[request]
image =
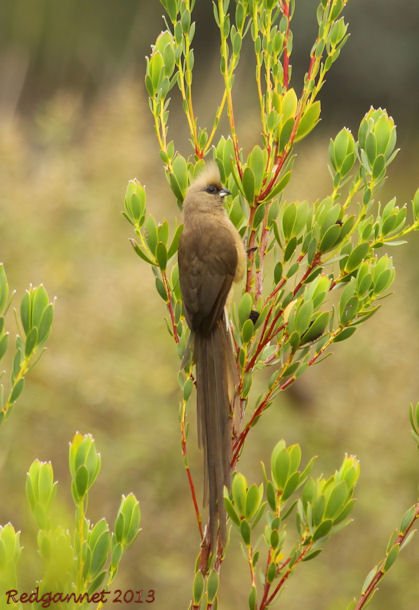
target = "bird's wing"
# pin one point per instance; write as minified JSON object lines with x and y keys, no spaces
{"x":207,"y":265}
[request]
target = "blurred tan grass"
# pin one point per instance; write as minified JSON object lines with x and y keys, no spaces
{"x":111,"y":368}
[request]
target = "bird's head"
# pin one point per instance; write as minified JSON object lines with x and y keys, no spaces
{"x":206,"y":193}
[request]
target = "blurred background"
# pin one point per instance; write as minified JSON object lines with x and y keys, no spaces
{"x":74,"y":127}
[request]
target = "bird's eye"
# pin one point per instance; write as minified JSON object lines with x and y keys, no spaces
{"x":211,"y":189}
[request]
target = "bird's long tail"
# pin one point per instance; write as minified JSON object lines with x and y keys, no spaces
{"x":216,"y":380}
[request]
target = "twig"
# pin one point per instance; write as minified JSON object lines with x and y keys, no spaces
{"x":285,"y":8}
{"x":285,"y":577}
{"x":380,"y":572}
{"x":187,"y":468}
{"x":170,"y":306}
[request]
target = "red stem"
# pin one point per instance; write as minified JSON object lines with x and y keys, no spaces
{"x":286,"y":12}
{"x":285,"y":577}
{"x":250,"y":250}
{"x":170,"y":306}
{"x":380,"y":573}
{"x":190,"y":480}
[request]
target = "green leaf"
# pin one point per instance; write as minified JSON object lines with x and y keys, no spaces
{"x":285,"y":133}
{"x":31,"y":341}
{"x":330,"y":238}
{"x":3,"y":346}
{"x":245,"y":531}
{"x":291,"y":485}
{"x":290,"y":249}
{"x":280,"y":468}
{"x":379,"y":167}
{"x":257,"y":163}
{"x":317,"y":328}
{"x":248,"y":183}
{"x":231,"y":512}
{"x":323,"y":530}
{"x":161,"y":289}
{"x":337,"y":499}
{"x":383,"y":281}
{"x":4,"y":290}
{"x":244,"y":308}
{"x":212,"y":585}
{"x":259,"y":215}
{"x":141,"y":252}
{"x":318,"y":509}
{"x":312,"y":555}
{"x":356,"y":257}
{"x":198,"y":587}
{"x":415,"y":209}
{"x":350,"y":310}
{"x":45,"y":324}
{"x":288,"y":220}
{"x":82,"y":480}
{"x":271,"y":572}
{"x":161,"y":255}
{"x":303,"y":317}
{"x":278,"y":272}
{"x":253,"y":500}
{"x":17,"y":390}
{"x":179,"y":179}
{"x":410,"y":513}
{"x":100,"y":552}
{"x":248,"y":329}
{"x":270,"y":495}
{"x":252,"y":599}
{"x":150,"y":232}
{"x":368,"y":580}
{"x":175,"y":242}
{"x":279,"y":186}
{"x":97,"y":582}
{"x":238,"y":490}
{"x":289,"y":105}
{"x":308,"y":121}
{"x":40,"y":302}
{"x":25,"y":312}
{"x":344,"y":334}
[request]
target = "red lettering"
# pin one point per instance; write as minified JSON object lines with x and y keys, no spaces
{"x":12,"y":594}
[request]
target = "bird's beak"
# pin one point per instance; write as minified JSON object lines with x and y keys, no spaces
{"x":224,"y":192}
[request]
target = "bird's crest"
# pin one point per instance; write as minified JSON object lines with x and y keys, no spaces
{"x":209,"y":175}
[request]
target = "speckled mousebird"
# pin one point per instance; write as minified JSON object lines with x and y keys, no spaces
{"x":211,"y":257}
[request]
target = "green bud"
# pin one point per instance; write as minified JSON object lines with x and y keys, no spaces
{"x":127,"y":522}
{"x":10,"y":551}
{"x":40,"y":490}
{"x":135,"y":202}
{"x":84,"y":462}
{"x":342,"y":152}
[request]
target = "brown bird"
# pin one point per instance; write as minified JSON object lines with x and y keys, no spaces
{"x":211,"y":256}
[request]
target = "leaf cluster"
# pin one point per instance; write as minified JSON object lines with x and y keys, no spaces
{"x":81,"y":558}
{"x":36,"y":317}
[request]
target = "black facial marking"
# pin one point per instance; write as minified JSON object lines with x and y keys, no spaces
{"x":212,"y":189}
